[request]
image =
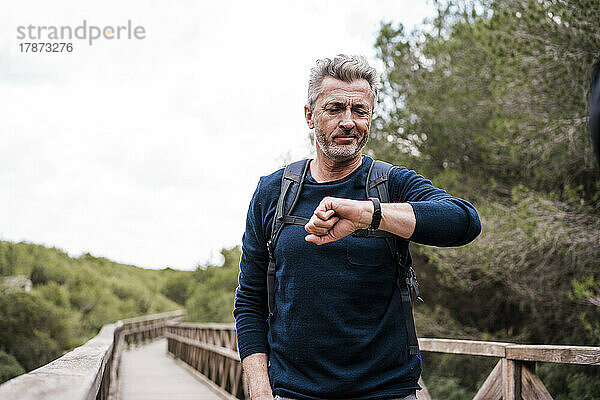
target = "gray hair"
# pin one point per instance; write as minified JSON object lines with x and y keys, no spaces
{"x":345,"y":68}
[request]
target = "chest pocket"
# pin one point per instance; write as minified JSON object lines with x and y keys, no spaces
{"x":367,"y":251}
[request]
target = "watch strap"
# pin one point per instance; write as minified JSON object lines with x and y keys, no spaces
{"x":376,"y":213}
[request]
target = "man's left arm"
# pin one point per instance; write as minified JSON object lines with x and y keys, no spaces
{"x":425,"y":214}
{"x":441,"y":219}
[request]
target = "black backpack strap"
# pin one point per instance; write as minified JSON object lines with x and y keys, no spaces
{"x":405,"y":295}
{"x":376,"y":186}
{"x":291,"y":185}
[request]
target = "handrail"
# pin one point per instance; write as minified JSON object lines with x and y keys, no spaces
{"x":86,"y":373}
{"x":514,"y":376}
{"x":222,"y":351}
{"x":223,"y":335}
{"x":555,"y":354}
{"x":211,"y":349}
{"x":467,"y":347}
{"x":583,"y":355}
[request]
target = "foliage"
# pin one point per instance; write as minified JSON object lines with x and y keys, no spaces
{"x":31,"y":329}
{"x":489,"y":101}
{"x":71,"y":299}
{"x":587,"y":291}
{"x":522,"y":294}
{"x":500,"y":95}
{"x":455,"y":377}
{"x":212,"y":297}
{"x":566,"y":382}
{"x":177,"y":288}
{"x":9,"y":367}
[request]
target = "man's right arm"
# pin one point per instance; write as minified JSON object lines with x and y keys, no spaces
{"x":251,"y":308}
{"x":257,"y":374}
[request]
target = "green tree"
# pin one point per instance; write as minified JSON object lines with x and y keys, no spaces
{"x":496,"y":91}
{"x":489,"y":101}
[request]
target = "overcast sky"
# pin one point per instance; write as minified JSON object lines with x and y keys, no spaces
{"x":147,"y":151}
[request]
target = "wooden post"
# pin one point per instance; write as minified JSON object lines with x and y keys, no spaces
{"x":511,"y":379}
{"x":532,"y":387}
{"x":492,"y":388}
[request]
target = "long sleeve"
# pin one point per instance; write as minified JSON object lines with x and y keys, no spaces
{"x":250,"y":310}
{"x":441,"y":219}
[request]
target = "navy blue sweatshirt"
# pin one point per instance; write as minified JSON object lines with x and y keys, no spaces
{"x":338,"y":328}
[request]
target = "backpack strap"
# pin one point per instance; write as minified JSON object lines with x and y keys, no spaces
{"x":291,"y":185}
{"x":376,"y":186}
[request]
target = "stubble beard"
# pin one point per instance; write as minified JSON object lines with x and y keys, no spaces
{"x":338,"y":152}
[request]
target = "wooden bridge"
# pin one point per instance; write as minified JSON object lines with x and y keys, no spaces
{"x":160,"y":357}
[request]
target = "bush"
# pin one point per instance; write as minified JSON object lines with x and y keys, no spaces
{"x":39,"y":275}
{"x":212,"y":297}
{"x":177,"y":288}
{"x":28,"y":328}
{"x":210,"y":306}
{"x":520,"y":271}
{"x":450,"y":376}
{"x":9,"y":367}
{"x":446,"y":388}
{"x":565,"y":382}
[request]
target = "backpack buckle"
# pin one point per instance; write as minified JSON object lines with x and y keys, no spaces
{"x":270,"y":249}
{"x":412,"y":283}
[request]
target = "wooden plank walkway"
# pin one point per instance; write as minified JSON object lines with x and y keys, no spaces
{"x":148,"y":373}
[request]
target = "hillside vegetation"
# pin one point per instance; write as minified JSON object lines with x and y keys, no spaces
{"x":69,"y":301}
{"x":72,"y":298}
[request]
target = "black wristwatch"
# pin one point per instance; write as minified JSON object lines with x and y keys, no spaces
{"x":376,"y":213}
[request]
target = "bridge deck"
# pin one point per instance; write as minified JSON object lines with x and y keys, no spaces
{"x":148,"y":373}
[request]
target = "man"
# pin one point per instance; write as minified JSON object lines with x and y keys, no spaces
{"x":338,"y":328}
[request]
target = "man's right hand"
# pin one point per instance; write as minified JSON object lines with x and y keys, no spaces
{"x":335,"y":218}
{"x":257,"y":373}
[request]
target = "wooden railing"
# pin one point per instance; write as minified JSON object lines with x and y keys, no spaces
{"x":513,"y":377}
{"x":211,"y":349}
{"x":89,"y":371}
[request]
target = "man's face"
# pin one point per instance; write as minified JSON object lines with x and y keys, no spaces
{"x":341,"y":118}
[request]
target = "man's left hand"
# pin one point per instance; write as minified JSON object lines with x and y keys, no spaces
{"x":335,"y":218}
